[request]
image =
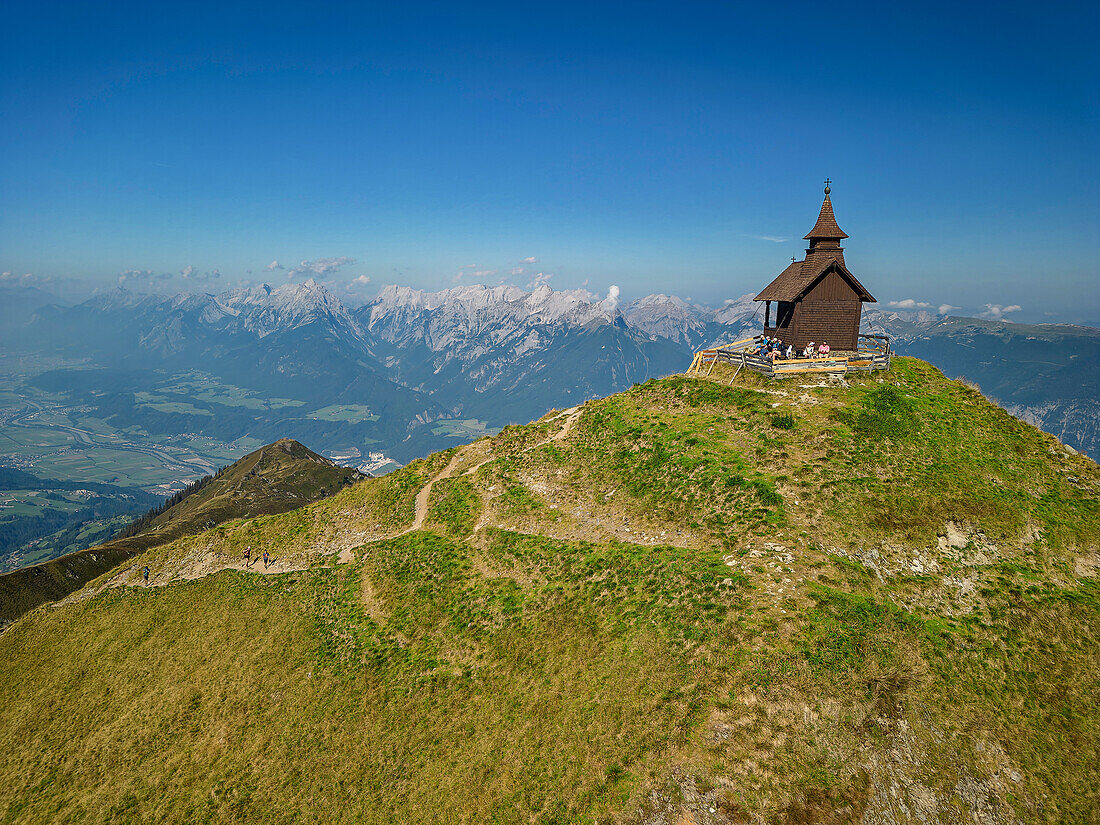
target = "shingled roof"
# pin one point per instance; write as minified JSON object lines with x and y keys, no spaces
{"x":789,"y":282}
{"x":826,"y":228}
{"x":797,"y":278}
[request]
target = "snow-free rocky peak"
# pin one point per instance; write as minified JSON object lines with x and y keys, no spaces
{"x":667,"y":316}
{"x":737,"y":311}
{"x":497,"y":311}
{"x":122,"y":299}
{"x":267,"y":309}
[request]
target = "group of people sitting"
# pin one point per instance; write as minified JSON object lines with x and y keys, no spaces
{"x":776,"y":350}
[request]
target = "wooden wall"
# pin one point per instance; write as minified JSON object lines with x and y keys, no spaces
{"x":829,"y":312}
{"x":834,"y":321}
{"x":833,"y":287}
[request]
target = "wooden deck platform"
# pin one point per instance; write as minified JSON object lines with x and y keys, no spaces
{"x":874,"y":353}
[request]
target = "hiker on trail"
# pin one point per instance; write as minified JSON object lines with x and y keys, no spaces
{"x":825,"y":348}
{"x":248,"y":556}
{"x":265,"y":558}
{"x":145,"y":574}
{"x":810,"y":351}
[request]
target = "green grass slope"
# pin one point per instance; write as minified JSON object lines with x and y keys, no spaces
{"x":686,"y":603}
{"x":273,"y":479}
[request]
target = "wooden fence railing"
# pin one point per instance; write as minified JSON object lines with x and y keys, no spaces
{"x":873,"y":353}
{"x":873,"y":344}
{"x":724,"y":352}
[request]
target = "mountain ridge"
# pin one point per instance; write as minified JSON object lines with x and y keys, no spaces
{"x":711,"y":600}
{"x":272,"y":479}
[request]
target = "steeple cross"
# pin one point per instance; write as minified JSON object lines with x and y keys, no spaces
{"x":827,"y":181}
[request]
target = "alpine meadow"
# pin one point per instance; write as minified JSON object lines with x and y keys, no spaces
{"x":697,"y":600}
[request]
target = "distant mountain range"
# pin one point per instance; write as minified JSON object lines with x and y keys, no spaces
{"x":506,"y":355}
{"x":414,"y":362}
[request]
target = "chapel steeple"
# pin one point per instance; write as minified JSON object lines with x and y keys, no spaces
{"x":825,"y":233}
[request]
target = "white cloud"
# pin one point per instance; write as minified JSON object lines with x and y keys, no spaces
{"x":320,"y":268}
{"x":271,"y":267}
{"x":997,"y":312}
{"x":909,"y":303}
{"x":611,"y":302}
{"x":188,"y":273}
{"x":772,"y":238}
{"x":530,"y":260}
{"x":26,"y":279}
{"x":140,"y":276}
{"x":517,"y":270}
{"x":540,"y":279}
{"x":943,"y":309}
{"x":362,"y":280}
{"x":58,"y":285}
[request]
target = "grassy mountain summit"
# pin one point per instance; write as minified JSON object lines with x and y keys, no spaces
{"x":272,"y":479}
{"x":689,"y":602}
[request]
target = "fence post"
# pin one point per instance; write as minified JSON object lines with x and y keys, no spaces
{"x":738,"y":372}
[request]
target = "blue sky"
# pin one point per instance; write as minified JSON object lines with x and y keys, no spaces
{"x":672,"y":147}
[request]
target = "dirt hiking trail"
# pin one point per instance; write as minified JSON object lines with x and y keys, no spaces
{"x":206,"y":565}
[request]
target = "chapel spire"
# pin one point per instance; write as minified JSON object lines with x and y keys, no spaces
{"x":826,"y":228}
